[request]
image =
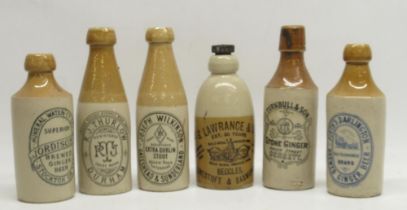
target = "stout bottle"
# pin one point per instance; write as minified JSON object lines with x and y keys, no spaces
{"x":43,"y":135}
{"x":162,"y":118}
{"x":103,"y":121}
{"x":356,"y":126}
{"x":224,"y":125}
{"x":290,"y":118}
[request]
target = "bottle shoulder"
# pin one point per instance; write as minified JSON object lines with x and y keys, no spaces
{"x":44,"y":89}
{"x":225,"y":95}
{"x":292,"y":77}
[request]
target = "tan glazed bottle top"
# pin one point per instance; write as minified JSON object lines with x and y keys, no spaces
{"x":40,"y":81}
{"x":102,"y":82}
{"x":101,"y":36}
{"x":161,"y":83}
{"x":356,"y":79}
{"x":39,"y":62}
{"x":160,"y":35}
{"x":291,"y":71}
{"x":292,"y":38}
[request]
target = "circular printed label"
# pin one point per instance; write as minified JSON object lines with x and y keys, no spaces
{"x":161,"y":147}
{"x":51,"y":146}
{"x":105,"y":151}
{"x":350,"y":149}
{"x":286,"y":137}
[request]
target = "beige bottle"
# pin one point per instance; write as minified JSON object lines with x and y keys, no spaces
{"x":162,"y":118}
{"x":103,"y":127}
{"x":224,"y":125}
{"x":290,"y":118}
{"x":43,"y":135}
{"x":356,"y":129}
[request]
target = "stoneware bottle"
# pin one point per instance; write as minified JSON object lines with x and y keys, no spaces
{"x":162,"y":118}
{"x":290,"y":118}
{"x":103,"y":127}
{"x":224,"y":125}
{"x":43,"y":135}
{"x":356,"y":129}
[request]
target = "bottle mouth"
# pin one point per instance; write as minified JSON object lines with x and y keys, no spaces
{"x":101,"y":36}
{"x":160,"y":35}
{"x":39,"y":62}
{"x":292,"y":38}
{"x":357,"y":53}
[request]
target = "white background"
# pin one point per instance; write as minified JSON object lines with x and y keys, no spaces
{"x":253,"y":26}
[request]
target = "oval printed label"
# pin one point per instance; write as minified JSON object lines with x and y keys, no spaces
{"x":286,"y":133}
{"x":51,"y":146}
{"x":161,"y":147}
{"x":350,"y":149}
{"x":105,"y":150}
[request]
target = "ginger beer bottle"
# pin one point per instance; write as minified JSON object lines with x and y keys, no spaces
{"x":290,"y":118}
{"x":43,"y":135}
{"x":103,"y":121}
{"x":356,"y":129}
{"x":162,"y":118}
{"x":224,"y":125}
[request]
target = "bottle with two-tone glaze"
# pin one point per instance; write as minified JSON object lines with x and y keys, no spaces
{"x":162,"y":118}
{"x":290,"y":118}
{"x":103,"y":121}
{"x":224,"y":125}
{"x":356,"y":129}
{"x":43,"y":135}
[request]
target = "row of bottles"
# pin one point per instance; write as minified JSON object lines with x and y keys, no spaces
{"x":43,"y":131}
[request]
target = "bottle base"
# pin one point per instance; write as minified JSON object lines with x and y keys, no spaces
{"x":165,"y":190}
{"x":303,"y":188}
{"x":355,"y":195}
{"x":225,"y":188}
{"x":45,"y":201}
{"x":105,"y":193}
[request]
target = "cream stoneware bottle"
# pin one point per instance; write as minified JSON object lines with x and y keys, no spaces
{"x":224,"y":125}
{"x":162,"y":118}
{"x":355,"y":129}
{"x":290,"y":118}
{"x":43,"y":135}
{"x":103,"y":127}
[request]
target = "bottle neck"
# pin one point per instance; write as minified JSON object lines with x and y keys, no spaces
{"x":102,"y":81}
{"x":40,"y":80}
{"x":357,"y":80}
{"x":161,"y":83}
{"x":41,"y":84}
{"x":223,"y":64}
{"x":292,"y":72}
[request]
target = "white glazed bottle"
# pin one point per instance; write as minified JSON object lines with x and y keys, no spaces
{"x":224,"y":125}
{"x":162,"y":118}
{"x":103,"y":121}
{"x":43,"y":135}
{"x":290,"y":118}
{"x":356,"y":129}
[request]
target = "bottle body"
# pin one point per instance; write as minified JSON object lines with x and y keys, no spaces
{"x":104,"y":148}
{"x":224,"y":130}
{"x":162,"y":119}
{"x":290,"y":122}
{"x":103,"y":128}
{"x":162,"y":145}
{"x":355,"y":146}
{"x":355,"y":129}
{"x":43,"y":138}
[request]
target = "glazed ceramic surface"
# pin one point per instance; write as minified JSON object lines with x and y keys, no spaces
{"x":162,"y":118}
{"x":290,"y":118}
{"x":355,"y":129}
{"x":43,"y":135}
{"x":103,"y":128}
{"x":224,"y":128}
